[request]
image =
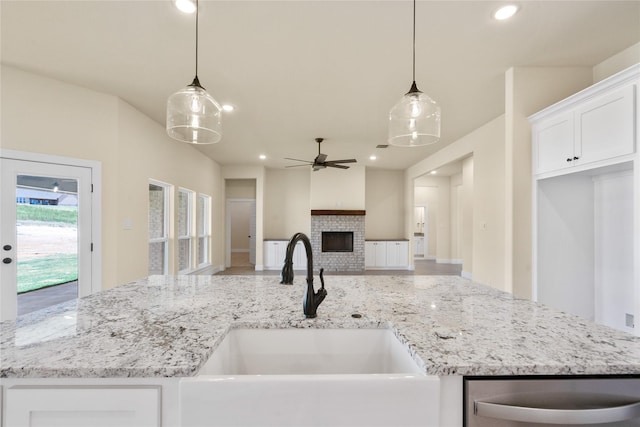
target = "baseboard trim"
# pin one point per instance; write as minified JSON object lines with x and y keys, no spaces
{"x":466,"y":275}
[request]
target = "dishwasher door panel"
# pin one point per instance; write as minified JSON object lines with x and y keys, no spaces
{"x":539,"y":402}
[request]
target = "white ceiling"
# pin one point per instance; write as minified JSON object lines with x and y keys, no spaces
{"x":296,"y":70}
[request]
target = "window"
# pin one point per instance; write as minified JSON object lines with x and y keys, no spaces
{"x":158,"y":228}
{"x":185,"y":233}
{"x":204,"y":229}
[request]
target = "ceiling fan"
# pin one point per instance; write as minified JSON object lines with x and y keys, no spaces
{"x":321,"y":162}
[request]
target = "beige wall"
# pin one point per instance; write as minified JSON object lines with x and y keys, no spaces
{"x":617,"y":63}
{"x":333,"y":188}
{"x":384,"y":204}
{"x":287,"y":207}
{"x":240,"y":188}
{"x":527,"y":90}
{"x":480,"y":167}
{"x":79,"y":123}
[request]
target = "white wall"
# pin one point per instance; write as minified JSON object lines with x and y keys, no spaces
{"x":287,"y":208}
{"x":80,"y":123}
{"x":467,"y":220}
{"x":384,"y":204}
{"x":339,"y":189}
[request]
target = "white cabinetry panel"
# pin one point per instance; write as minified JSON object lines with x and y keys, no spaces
{"x":386,"y":254}
{"x":555,"y":143}
{"x":275,"y":252}
{"x":586,"y":212}
{"x":592,"y":128}
{"x":604,"y":126}
{"x":76,"y":406}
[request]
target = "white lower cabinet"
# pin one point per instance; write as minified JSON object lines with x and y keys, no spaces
{"x":81,"y":406}
{"x":389,"y":254}
{"x":418,"y":246}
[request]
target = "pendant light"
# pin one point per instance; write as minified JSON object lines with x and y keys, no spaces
{"x":415,"y":120}
{"x":193,"y":115}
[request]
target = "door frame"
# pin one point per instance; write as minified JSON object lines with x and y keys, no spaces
{"x":227,"y":262}
{"x":96,"y":201}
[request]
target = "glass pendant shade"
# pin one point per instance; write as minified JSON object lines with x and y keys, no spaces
{"x":414,"y":120}
{"x":193,"y":116}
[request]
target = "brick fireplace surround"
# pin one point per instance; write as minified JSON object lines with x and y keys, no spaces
{"x":338,"y":220}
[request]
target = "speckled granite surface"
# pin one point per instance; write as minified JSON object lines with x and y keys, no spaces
{"x":168,"y":327}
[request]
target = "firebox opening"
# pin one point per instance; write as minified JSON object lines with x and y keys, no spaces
{"x":337,"y":241}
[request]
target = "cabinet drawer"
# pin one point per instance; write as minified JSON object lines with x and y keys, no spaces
{"x":76,"y":406}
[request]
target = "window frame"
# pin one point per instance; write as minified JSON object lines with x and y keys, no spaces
{"x":189,"y":237}
{"x":205,"y":233}
{"x":166,"y":188}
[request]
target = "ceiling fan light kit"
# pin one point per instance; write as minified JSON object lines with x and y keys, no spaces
{"x":193,"y":115}
{"x":415,"y":120}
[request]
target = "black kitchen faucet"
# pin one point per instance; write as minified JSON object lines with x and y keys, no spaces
{"x":312,"y":299}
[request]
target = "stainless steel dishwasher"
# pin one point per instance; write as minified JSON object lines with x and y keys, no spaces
{"x":543,"y":401}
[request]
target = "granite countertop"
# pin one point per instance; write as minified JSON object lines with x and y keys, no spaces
{"x":168,"y":326}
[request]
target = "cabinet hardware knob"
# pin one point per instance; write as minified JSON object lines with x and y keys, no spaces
{"x":575,"y":158}
{"x":7,"y":260}
{"x":569,"y":159}
{"x":7,"y":247}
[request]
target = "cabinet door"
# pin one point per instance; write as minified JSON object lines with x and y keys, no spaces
{"x":553,"y":142}
{"x":77,"y":406}
{"x":397,"y":254}
{"x":375,"y":254}
{"x":605,"y":126}
{"x":418,"y":248}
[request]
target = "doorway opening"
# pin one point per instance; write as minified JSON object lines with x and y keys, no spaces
{"x":47,"y":234}
{"x":241,"y":223}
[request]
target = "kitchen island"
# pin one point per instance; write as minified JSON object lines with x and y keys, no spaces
{"x":161,"y":329}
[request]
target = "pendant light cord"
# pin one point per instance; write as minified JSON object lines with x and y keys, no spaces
{"x":197,"y":19}
{"x":414,"y":41}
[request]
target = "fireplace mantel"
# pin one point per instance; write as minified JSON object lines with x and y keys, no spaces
{"x":338,"y":212}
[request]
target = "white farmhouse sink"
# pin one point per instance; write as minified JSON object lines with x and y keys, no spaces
{"x":310,"y":377}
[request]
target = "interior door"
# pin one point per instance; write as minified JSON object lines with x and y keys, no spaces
{"x":45,"y":233}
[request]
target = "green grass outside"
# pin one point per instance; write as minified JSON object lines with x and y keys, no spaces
{"x":46,"y":271}
{"x":58,"y":214}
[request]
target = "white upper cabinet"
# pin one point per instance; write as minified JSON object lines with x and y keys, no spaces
{"x":594,"y":127}
{"x":604,"y":126}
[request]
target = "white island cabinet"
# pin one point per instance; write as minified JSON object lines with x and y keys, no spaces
{"x":586,"y":203}
{"x":96,"y":402}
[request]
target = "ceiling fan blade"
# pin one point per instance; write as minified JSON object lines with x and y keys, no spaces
{"x":297,"y":166}
{"x":321,"y":158}
{"x":331,"y":165}
{"x":344,"y":161}
{"x":298,"y":160}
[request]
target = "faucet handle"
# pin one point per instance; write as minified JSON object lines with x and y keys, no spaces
{"x":321,"y":278}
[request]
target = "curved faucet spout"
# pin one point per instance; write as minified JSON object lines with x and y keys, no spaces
{"x":312,"y":299}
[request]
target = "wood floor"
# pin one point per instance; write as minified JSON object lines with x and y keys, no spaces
{"x":240,"y":266}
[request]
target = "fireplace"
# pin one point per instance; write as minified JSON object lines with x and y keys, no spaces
{"x":337,"y":241}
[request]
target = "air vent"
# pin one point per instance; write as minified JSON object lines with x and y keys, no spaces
{"x":382,"y":146}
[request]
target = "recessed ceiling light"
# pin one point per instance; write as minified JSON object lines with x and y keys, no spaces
{"x":186,"y":6}
{"x":262,"y":157}
{"x":228,"y":108}
{"x":372,"y":157}
{"x":505,"y":12}
{"x":433,"y":172}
